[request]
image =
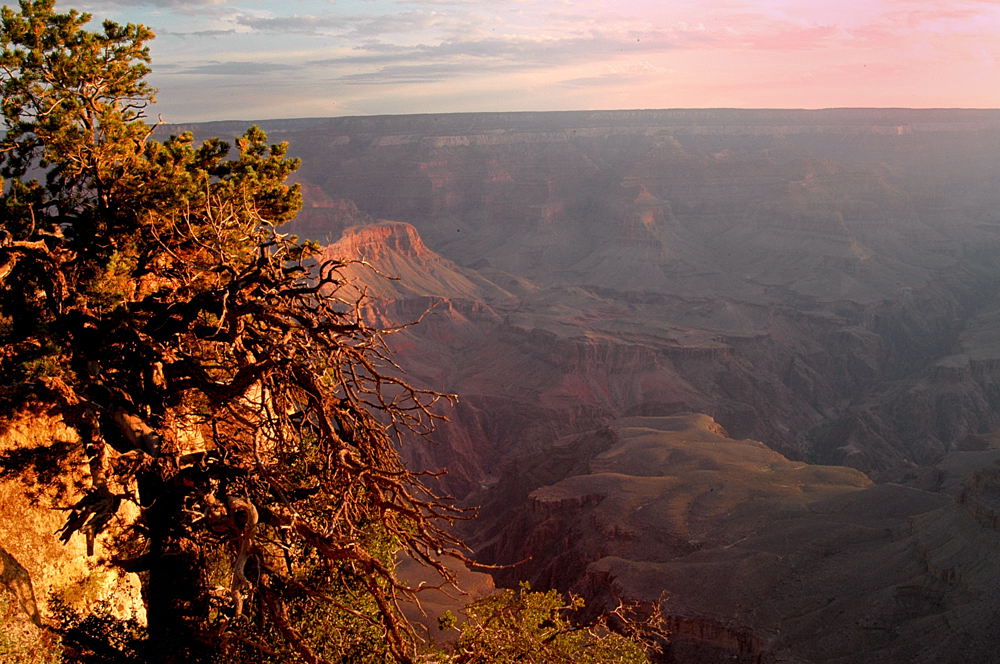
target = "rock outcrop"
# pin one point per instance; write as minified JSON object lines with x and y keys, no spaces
{"x":34,"y":564}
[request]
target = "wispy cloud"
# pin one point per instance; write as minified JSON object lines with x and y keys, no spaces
{"x":237,"y":68}
{"x":196,"y":34}
{"x":292,"y":24}
{"x":520,"y":51}
{"x":612,"y":79}
{"x":426,"y":73}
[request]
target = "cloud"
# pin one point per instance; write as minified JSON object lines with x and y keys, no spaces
{"x":359,"y":26}
{"x":604,"y":80}
{"x":945,"y":4}
{"x":948,"y":24}
{"x":294,"y":23}
{"x":428,"y":55}
{"x":918,"y":15}
{"x":236,"y":68}
{"x":443,"y":3}
{"x":197,"y":34}
{"x":396,"y":74}
{"x":524,"y":52}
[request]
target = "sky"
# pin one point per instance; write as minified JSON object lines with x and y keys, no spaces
{"x":265,"y":59}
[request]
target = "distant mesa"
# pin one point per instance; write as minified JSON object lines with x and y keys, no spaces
{"x":376,"y":241}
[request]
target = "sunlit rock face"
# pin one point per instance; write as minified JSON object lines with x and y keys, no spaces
{"x":625,"y":301}
{"x":29,"y":520}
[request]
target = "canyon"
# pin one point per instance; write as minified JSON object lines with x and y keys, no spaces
{"x":743,"y":363}
{"x":746,"y":359}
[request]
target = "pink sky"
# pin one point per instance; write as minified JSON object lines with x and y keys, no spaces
{"x":218,"y":59}
{"x":808,"y":53}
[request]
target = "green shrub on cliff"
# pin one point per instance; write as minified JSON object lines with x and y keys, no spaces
{"x":525,"y":627}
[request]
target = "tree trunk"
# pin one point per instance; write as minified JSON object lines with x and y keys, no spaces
{"x":176,"y":599}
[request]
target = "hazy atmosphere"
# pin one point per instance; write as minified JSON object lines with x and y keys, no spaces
{"x":254,"y":59}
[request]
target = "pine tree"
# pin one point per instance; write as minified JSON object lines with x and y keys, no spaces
{"x":219,"y":375}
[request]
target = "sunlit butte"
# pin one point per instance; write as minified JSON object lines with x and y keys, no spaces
{"x":239,"y":59}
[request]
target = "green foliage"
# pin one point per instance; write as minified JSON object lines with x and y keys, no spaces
{"x":336,"y":615}
{"x":525,"y":627}
{"x":74,"y":103}
{"x":337,"y":624}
